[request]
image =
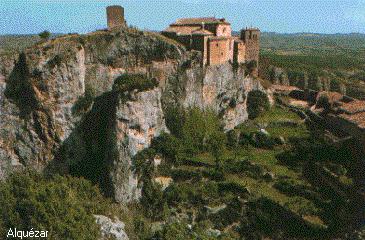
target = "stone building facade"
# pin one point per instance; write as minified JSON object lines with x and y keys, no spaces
{"x":213,"y":37}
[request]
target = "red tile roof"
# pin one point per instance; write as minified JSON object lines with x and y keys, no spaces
{"x":182,"y":30}
{"x":202,"y":32}
{"x":200,"y":20}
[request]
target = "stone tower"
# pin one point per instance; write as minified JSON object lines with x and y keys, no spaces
{"x":251,"y":38}
{"x":115,"y":16}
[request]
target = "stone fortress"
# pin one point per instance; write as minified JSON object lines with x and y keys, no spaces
{"x":213,"y":37}
{"x":209,"y":35}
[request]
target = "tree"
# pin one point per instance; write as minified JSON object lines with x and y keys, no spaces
{"x":45,"y":35}
{"x":152,"y":196}
{"x":64,"y":206}
{"x":217,"y":142}
{"x":257,"y":102}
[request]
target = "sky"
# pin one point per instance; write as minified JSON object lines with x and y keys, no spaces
{"x":284,"y":16}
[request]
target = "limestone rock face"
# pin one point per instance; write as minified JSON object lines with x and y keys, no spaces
{"x":111,"y":229}
{"x":58,"y":111}
{"x":222,"y":88}
{"x":40,"y":88}
{"x":102,"y":145}
{"x":137,"y":123}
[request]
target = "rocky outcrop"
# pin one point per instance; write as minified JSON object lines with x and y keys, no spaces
{"x":222,"y":88}
{"x":111,"y":229}
{"x":39,"y":91}
{"x":109,"y":135}
{"x":59,"y":112}
{"x":137,"y":123}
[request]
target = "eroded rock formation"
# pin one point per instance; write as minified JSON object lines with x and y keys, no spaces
{"x":59,"y":112}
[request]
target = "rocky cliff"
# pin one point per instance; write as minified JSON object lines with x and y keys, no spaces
{"x":222,"y":88}
{"x":59,"y":112}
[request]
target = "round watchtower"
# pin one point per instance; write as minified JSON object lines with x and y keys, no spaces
{"x":115,"y":16}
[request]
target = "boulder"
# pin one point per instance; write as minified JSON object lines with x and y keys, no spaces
{"x":111,"y":229}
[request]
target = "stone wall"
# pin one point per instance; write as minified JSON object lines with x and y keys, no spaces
{"x":223,"y":30}
{"x":251,"y":38}
{"x":239,"y":52}
{"x":218,"y":52}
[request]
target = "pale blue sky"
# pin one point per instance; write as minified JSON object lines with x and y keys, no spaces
{"x":65,"y":16}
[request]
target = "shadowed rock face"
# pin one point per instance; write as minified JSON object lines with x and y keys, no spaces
{"x":40,"y":129}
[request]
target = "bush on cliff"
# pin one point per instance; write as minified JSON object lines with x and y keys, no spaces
{"x":63,"y":206}
{"x":84,"y":102}
{"x":154,"y":206}
{"x":198,"y":130}
{"x":130,"y":82}
{"x":257,"y":103}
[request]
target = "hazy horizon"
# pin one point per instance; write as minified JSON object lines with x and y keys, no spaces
{"x":286,"y":17}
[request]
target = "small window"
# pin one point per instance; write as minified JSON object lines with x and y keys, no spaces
{"x":224,"y":30}
{"x":216,"y":45}
{"x":221,"y":53}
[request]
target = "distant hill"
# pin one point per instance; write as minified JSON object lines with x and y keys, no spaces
{"x":312,"y":42}
{"x":286,"y":43}
{"x":294,"y":43}
{"x":9,"y":43}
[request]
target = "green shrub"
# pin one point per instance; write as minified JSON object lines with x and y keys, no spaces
{"x":233,"y":138}
{"x":169,"y":146}
{"x":251,"y":65}
{"x":244,"y":166}
{"x":257,"y":103}
{"x":142,"y":228}
{"x":177,"y":193}
{"x":323,"y":102}
{"x":84,"y":102}
{"x":56,"y":60}
{"x":175,"y":118}
{"x":199,"y":128}
{"x":215,"y":174}
{"x":175,"y":231}
{"x":152,"y":199}
{"x":129,"y":82}
{"x":45,"y":35}
{"x":183,"y":175}
{"x":63,"y":206}
{"x":232,"y":187}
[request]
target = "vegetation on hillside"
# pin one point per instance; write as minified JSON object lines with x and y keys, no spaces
{"x":248,"y":183}
{"x":63,"y":206}
{"x":329,"y":62}
{"x":273,"y":176}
